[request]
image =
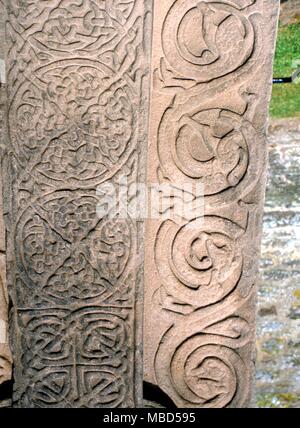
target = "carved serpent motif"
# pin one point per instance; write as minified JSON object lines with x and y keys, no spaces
{"x":199,"y":361}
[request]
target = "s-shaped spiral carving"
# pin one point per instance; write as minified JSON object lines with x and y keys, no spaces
{"x":201,"y":367}
{"x":199,"y":263}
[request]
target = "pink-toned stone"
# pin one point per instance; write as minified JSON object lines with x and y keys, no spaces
{"x":211,"y":86}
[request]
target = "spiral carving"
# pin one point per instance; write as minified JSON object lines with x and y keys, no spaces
{"x":205,"y":40}
{"x":200,"y":262}
{"x":201,"y":368}
{"x":212,"y":147}
{"x":211,"y":81}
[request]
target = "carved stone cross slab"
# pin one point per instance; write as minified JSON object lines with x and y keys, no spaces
{"x":211,"y":84}
{"x":77,"y":94}
{"x":168,"y":94}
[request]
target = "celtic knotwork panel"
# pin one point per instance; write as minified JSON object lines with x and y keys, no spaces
{"x":71,"y":254}
{"x":64,"y":120}
{"x":87,"y":25}
{"x":66,"y":28}
{"x":61,"y":347}
{"x":211,"y":86}
{"x":77,"y":93}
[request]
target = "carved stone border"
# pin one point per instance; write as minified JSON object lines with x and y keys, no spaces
{"x":211,"y":86}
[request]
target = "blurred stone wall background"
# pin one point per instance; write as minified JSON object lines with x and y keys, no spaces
{"x":278,"y":322}
{"x":290,"y":11}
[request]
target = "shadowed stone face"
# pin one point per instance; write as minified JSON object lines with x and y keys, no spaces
{"x":5,"y":355}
